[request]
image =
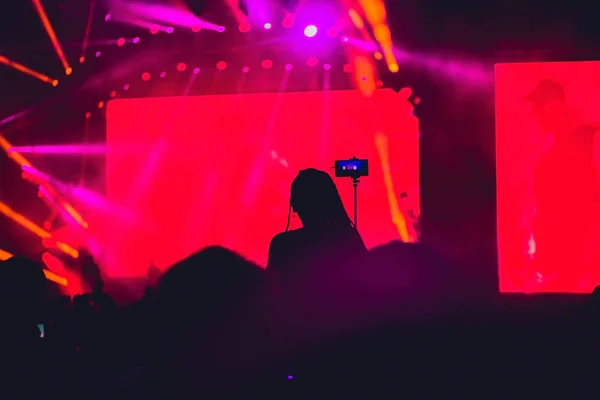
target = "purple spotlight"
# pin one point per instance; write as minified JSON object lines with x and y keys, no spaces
{"x":170,"y":30}
{"x":245,"y":69}
{"x":290,"y":377}
{"x":268,"y":25}
{"x":326,"y":67}
{"x":310,"y":31}
{"x":126,"y":87}
{"x":98,"y":54}
{"x":221,"y":29}
{"x":163,"y":74}
{"x":136,"y":40}
{"x":288,"y":67}
{"x":107,"y":17}
{"x":345,"y":39}
{"x":196,"y":71}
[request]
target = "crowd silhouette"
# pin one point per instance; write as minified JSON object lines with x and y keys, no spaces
{"x":325,"y":319}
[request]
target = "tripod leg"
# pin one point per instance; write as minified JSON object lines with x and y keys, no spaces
{"x":355,"y":184}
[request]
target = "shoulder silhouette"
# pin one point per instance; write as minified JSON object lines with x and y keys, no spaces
{"x":327,"y":234}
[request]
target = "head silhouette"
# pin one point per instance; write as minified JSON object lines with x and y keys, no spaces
{"x":22,"y":289}
{"x":315,"y":198}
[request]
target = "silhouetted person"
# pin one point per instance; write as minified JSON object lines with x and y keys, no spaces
{"x":153,"y":274}
{"x":23,"y":294}
{"x":204,"y":305}
{"x":327,"y":234}
{"x":22,"y":297}
{"x":565,"y":186}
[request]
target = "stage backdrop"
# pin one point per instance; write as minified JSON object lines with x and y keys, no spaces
{"x":189,"y":172}
{"x":538,"y":169}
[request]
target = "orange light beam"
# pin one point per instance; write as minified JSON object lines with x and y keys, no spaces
{"x":5,"y":255}
{"x":16,"y":157}
{"x":28,"y":71}
{"x":398,"y":218}
{"x":51,"y":276}
{"x":74,"y":214}
{"x":22,"y":161}
{"x":376,"y":14}
{"x":52,"y":35}
{"x":32,"y":227}
{"x":88,"y":28}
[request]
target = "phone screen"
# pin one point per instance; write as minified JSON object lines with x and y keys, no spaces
{"x":41,"y":328}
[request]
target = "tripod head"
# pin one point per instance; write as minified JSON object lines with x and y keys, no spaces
{"x":353,"y":168}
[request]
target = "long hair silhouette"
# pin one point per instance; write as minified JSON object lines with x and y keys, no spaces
{"x":315,"y":196}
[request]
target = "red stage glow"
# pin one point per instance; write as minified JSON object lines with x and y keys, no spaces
{"x":547,"y":159}
{"x":220,"y":172}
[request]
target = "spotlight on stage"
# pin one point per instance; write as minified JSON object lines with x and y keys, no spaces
{"x":310,"y":31}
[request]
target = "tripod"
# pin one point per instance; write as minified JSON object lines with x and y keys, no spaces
{"x":355,"y":182}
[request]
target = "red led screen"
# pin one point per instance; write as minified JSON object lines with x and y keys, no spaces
{"x":548,"y":159}
{"x":197,"y":171}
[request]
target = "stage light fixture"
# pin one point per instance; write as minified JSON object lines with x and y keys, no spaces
{"x":244,"y":27}
{"x":268,"y":26}
{"x":310,"y":31}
